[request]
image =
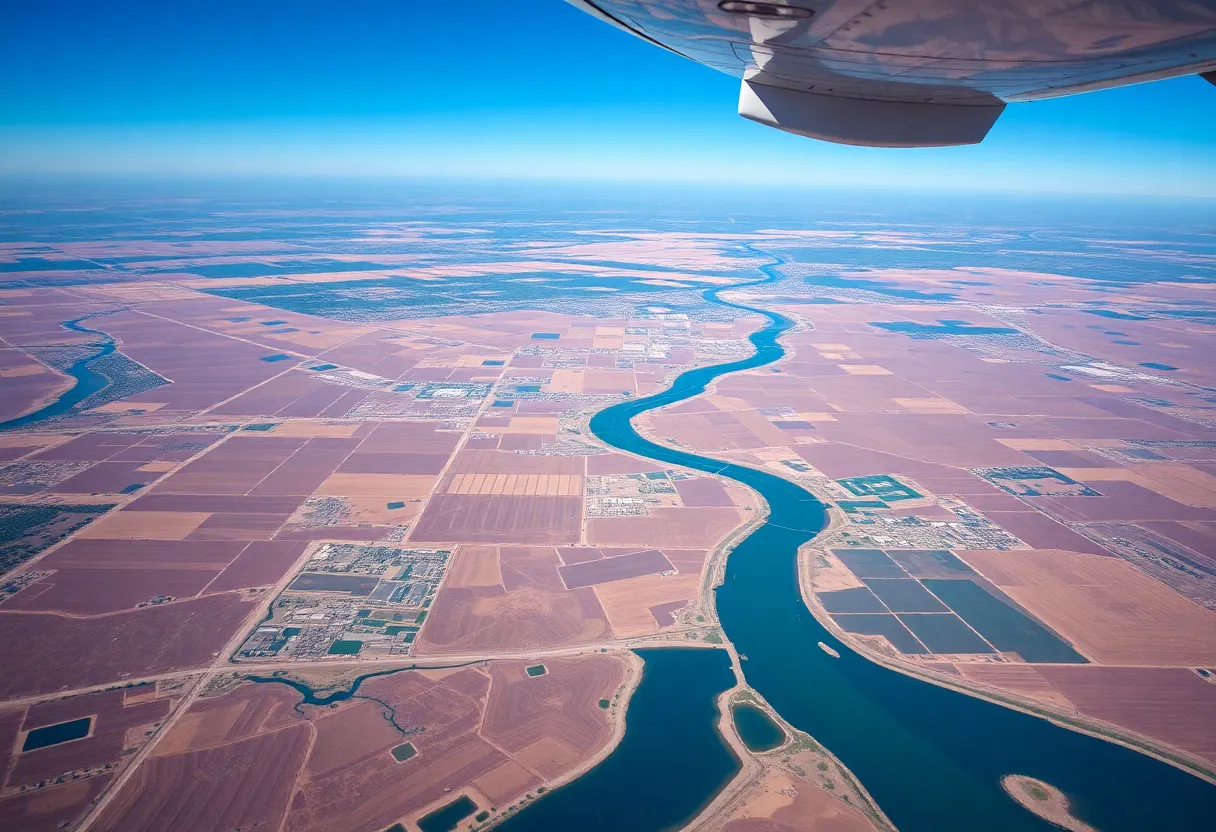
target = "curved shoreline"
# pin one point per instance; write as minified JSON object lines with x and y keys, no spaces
{"x":949,"y":779}
{"x":84,"y":379}
{"x":1096,"y":728}
{"x":617,"y":712}
{"x":1045,"y":801}
{"x":1079,"y":723}
{"x":675,"y":708}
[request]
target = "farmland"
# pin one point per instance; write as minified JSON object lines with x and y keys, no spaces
{"x":251,"y":485}
{"x":325,"y":454}
{"x":58,"y":767}
{"x":495,"y":733}
{"x":988,"y":519}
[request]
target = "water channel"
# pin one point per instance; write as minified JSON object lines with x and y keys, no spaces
{"x":87,"y":381}
{"x":931,"y":757}
{"x":669,"y":765}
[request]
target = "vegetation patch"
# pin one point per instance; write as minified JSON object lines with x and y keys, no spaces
{"x":345,"y":647}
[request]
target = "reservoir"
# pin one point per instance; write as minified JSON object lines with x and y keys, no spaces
{"x":55,"y":734}
{"x":448,"y":817}
{"x":932,"y":758}
{"x":756,"y":729}
{"x":670,"y":764}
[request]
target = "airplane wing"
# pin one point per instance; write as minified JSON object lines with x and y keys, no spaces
{"x":920,"y":73}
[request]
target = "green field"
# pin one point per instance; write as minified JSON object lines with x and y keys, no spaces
{"x":883,"y":486}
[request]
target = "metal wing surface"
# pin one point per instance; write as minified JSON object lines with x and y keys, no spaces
{"x":917,"y":73}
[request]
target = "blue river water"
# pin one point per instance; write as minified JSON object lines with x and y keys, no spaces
{"x":932,"y":758}
{"x":334,"y":696}
{"x":671,"y":762}
{"x":87,"y":383}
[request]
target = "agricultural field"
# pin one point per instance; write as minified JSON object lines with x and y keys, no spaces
{"x":64,"y":752}
{"x":254,"y":468}
{"x":1017,"y":503}
{"x":199,"y":472}
{"x":402,"y":746}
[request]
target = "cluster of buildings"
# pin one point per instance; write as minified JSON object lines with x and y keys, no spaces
{"x":876,"y":529}
{"x":629,"y":495}
{"x":351,"y":600}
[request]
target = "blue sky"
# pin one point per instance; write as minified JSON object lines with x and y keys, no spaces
{"x":486,"y":88}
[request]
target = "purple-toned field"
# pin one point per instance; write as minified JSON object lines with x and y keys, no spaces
{"x":455,"y":518}
{"x":126,"y":645}
{"x":605,"y":570}
{"x":510,"y":598}
{"x":446,"y":405}
{"x":492,"y":733}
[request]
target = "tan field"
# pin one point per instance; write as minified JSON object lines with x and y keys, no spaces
{"x":1176,"y":481}
{"x":145,"y":525}
{"x":930,"y":405}
{"x":608,"y":380}
{"x":121,"y":407}
{"x":565,"y":380}
{"x":547,"y":754}
{"x":27,"y":440}
{"x":312,"y":428}
{"x":504,"y":782}
{"x":628,"y":602}
{"x":1019,"y":679}
{"x":389,"y":486}
{"x":375,"y":510}
{"x":762,"y":427}
{"x":1110,"y":610}
{"x":474,"y":566}
{"x":550,"y":485}
{"x":1024,"y":444}
{"x":23,"y":370}
{"x":864,"y":369}
{"x":829,"y":574}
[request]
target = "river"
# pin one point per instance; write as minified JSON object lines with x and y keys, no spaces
{"x":87,"y":381}
{"x":931,"y":757}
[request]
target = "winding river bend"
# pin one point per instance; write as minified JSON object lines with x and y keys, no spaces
{"x":931,"y":757}
{"x":87,"y":380}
